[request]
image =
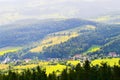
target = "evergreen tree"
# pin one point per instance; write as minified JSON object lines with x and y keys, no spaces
{"x":64,"y":75}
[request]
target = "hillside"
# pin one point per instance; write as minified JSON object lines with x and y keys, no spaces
{"x":53,"y":40}
{"x":26,"y":32}
{"x":59,"y":38}
{"x":86,"y":40}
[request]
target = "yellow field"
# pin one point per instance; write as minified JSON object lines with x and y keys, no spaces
{"x":56,"y":68}
{"x":44,"y":65}
{"x":2,"y":52}
{"x":73,"y":62}
{"x":111,"y":62}
{"x":51,"y":41}
{"x":4,"y":66}
{"x":25,"y":66}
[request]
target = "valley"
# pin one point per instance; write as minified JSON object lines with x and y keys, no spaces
{"x":60,"y":40}
{"x":60,"y":47}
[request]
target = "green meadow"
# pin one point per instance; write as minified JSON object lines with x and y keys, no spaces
{"x":2,"y":52}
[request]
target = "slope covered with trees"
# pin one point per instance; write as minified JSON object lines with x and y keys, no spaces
{"x":56,"y":39}
{"x":25,"y":32}
{"x":101,"y":36}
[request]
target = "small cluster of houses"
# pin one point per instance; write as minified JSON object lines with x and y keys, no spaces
{"x":80,"y":57}
{"x":84,"y":57}
{"x":8,"y":60}
{"x":113,"y":54}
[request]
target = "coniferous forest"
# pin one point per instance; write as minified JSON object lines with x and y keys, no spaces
{"x":84,"y":72}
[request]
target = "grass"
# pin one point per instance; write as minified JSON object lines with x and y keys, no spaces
{"x":2,"y":52}
{"x":44,"y":65}
{"x":25,"y":66}
{"x":73,"y":62}
{"x":49,"y":68}
{"x":53,"y":40}
{"x":92,"y":49}
{"x":54,"y":68}
{"x":4,"y":66}
{"x":111,"y":62}
{"x":58,"y":68}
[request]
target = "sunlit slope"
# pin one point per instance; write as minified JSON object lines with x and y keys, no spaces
{"x":53,"y":40}
{"x":66,"y":38}
{"x":112,"y":45}
{"x":61,"y":37}
{"x":92,"y":49}
{"x":110,"y":19}
{"x":2,"y":52}
{"x":102,"y":18}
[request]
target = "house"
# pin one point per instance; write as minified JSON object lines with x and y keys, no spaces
{"x":77,"y":56}
{"x":27,"y":60}
{"x":112,"y":54}
{"x":7,"y":59}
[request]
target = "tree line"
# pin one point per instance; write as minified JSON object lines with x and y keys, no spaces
{"x":84,"y":72}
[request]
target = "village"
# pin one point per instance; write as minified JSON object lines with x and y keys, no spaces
{"x":77,"y":57}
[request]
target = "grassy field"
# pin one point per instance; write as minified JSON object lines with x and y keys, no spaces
{"x":4,"y":66}
{"x":44,"y":65}
{"x":56,"y":68}
{"x":73,"y":62}
{"x":92,"y":49}
{"x":111,"y":62}
{"x":2,"y":52}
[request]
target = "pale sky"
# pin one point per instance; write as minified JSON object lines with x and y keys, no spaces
{"x":11,"y":10}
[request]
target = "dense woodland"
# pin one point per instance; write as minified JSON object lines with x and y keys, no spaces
{"x":25,"y":32}
{"x":105,"y":36}
{"x":84,"y":72}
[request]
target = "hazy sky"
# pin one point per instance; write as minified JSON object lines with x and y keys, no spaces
{"x":11,"y":10}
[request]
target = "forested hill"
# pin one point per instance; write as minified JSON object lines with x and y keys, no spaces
{"x":26,"y":31}
{"x":101,"y":39}
{"x":58,"y":38}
